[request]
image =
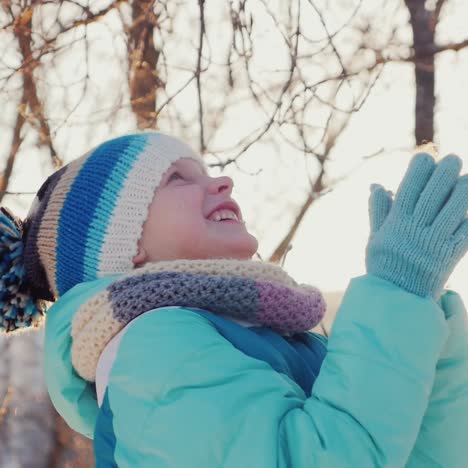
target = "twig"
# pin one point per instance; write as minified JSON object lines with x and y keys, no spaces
{"x":201,"y":5}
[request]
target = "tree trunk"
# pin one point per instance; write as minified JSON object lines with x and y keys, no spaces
{"x":142,"y":60}
{"x":423,"y":26}
{"x":26,"y":419}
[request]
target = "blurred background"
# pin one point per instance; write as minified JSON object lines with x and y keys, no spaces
{"x":304,"y":103}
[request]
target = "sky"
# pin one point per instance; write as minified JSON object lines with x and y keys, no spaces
{"x":329,"y":248}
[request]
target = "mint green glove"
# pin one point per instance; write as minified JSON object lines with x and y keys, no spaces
{"x":417,"y":239}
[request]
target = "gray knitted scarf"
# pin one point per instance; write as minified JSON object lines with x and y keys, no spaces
{"x":258,"y":292}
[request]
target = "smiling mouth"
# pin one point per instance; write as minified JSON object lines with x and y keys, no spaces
{"x":225,"y":213}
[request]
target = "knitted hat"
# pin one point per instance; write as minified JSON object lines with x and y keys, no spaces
{"x":84,"y":223}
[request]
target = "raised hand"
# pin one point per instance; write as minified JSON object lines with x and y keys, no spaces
{"x":418,"y":238}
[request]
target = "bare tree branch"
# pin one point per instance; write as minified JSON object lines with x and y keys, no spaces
{"x":15,"y":145}
{"x":437,"y":10}
{"x":317,"y":188}
{"x":457,"y":46}
{"x":90,"y":17}
{"x":283,"y":246}
{"x":23,"y":33}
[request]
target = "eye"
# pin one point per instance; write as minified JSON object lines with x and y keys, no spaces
{"x":174,"y":175}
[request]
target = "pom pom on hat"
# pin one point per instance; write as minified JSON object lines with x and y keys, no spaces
{"x":18,"y":309}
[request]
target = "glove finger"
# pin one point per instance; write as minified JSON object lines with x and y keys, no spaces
{"x":438,"y":189}
{"x":461,"y":238}
{"x":380,"y":203}
{"x":418,"y":174}
{"x":453,"y":212}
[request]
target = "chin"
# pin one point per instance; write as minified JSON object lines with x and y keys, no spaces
{"x":244,"y":250}
{"x":238,"y":247}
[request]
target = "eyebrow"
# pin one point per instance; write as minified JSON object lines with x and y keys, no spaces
{"x":176,"y":168}
{"x":203,"y":169}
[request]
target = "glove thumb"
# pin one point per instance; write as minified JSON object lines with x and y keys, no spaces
{"x":380,"y":203}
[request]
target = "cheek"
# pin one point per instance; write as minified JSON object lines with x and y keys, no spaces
{"x":181,"y":211}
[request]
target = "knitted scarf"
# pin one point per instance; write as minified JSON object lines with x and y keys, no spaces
{"x":261,"y":293}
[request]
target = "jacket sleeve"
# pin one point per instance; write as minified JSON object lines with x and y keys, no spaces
{"x":443,"y":438}
{"x":179,"y":394}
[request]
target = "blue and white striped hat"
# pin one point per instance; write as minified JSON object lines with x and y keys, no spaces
{"x":87,"y":217}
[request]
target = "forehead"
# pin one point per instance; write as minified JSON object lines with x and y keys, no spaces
{"x":190,"y":164}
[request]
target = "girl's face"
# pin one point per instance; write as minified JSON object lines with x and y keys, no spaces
{"x":184,"y":220}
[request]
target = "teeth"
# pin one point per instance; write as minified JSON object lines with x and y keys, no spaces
{"x":223,"y":214}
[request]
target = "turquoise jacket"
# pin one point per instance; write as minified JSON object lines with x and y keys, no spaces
{"x":191,"y":389}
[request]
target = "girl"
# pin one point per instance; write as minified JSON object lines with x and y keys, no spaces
{"x":170,"y":347}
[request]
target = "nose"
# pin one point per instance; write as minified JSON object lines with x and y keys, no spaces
{"x":220,"y":184}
